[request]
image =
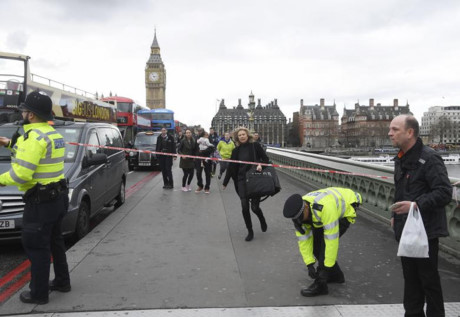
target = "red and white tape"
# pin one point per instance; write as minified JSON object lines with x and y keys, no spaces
{"x":231,"y":161}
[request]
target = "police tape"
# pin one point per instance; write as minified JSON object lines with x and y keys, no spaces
{"x":231,"y":161}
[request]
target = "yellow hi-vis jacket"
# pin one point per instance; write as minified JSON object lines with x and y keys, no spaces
{"x":38,"y":157}
{"x":327,"y":207}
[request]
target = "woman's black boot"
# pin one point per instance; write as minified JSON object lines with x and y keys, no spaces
{"x":250,"y":235}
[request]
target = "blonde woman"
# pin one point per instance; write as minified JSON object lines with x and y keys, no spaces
{"x":249,"y":151}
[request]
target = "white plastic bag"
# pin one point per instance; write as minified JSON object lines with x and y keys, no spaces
{"x":414,"y":241}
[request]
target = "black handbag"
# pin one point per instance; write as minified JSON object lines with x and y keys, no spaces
{"x":263,"y":183}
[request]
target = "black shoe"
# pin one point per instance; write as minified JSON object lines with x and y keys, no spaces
{"x":220,"y":176}
{"x":315,"y":289}
{"x":250,"y":235}
{"x":25,"y":297}
{"x":59,"y":288}
{"x":165,"y":186}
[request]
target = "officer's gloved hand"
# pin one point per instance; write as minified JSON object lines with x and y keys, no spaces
{"x":298,"y":226}
{"x":312,"y":271}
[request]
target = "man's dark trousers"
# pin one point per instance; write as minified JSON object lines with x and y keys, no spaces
{"x":422,"y":281}
{"x":207,"y":173}
{"x":41,"y":238}
{"x":166,"y":162}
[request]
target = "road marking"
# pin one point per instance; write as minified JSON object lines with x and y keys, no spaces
{"x":14,"y":273}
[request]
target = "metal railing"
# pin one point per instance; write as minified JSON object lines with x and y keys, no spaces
{"x":56,"y":84}
{"x":377,"y":192}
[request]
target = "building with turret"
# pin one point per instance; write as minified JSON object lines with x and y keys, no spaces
{"x":155,"y":78}
{"x":269,"y":121}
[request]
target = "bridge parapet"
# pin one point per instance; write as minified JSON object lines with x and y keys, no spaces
{"x":377,"y":192}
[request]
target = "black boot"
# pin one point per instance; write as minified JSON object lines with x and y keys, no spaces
{"x":263,"y":223}
{"x":260,"y":215}
{"x":335,"y":275}
{"x":250,"y":235}
{"x":315,"y":289}
{"x":338,"y":278}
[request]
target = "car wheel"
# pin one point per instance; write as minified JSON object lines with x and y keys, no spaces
{"x":82,"y":227}
{"x":121,"y":195}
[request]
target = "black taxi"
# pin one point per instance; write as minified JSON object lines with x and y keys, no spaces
{"x":145,"y":141}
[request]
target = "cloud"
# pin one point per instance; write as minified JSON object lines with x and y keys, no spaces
{"x":16,"y":41}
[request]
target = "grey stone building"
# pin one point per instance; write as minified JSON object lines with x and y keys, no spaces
{"x":269,"y":121}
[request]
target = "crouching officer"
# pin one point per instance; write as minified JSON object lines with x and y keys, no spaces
{"x":37,"y":167}
{"x":320,"y":218}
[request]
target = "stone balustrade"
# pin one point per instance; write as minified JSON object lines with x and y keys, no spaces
{"x":377,"y":192}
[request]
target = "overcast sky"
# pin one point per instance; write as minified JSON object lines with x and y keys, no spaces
{"x":289,"y":50}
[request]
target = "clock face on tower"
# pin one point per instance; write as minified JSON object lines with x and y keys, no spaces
{"x":154,"y":76}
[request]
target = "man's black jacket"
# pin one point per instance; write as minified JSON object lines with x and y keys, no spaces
{"x":167,"y":145}
{"x":421,"y":176}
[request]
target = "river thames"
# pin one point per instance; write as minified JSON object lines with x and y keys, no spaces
{"x":453,"y":170}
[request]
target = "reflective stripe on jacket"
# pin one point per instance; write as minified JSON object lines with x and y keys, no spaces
{"x":38,"y":157}
{"x":327,"y":206}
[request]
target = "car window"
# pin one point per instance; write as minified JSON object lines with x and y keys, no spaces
{"x":93,"y":140}
{"x":107,"y":138}
{"x":5,"y":154}
{"x":117,"y":141}
{"x":145,"y":140}
{"x":70,"y":134}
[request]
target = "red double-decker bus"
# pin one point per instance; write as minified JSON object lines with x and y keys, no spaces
{"x":127,"y":121}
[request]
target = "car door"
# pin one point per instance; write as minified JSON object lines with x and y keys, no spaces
{"x":113,"y":171}
{"x":97,"y":174}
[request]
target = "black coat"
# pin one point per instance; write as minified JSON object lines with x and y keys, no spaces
{"x":167,"y":145}
{"x":187,"y":148}
{"x":257,"y":154}
{"x":421,"y":176}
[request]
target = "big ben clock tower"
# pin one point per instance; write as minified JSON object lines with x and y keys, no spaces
{"x":155,"y":78}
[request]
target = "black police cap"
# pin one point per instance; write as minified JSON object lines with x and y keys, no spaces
{"x":293,"y":206}
{"x":40,"y":104}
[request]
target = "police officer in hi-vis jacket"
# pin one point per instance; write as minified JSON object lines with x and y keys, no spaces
{"x":37,"y":168}
{"x":320,"y":218}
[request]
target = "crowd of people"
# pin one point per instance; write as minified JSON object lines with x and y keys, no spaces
{"x":319,"y":217}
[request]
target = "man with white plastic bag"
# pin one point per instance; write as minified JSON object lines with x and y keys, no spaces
{"x":414,"y":241}
{"x":420,"y":180}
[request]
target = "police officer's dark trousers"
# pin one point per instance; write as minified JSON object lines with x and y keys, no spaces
{"x":422,"y":282}
{"x":319,"y":248}
{"x":166,"y":162}
{"x":41,"y":238}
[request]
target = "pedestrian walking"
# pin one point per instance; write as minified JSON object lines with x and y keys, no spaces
{"x":225,"y":148}
{"x":166,"y":144}
{"x":258,"y":140}
{"x":420,"y":176}
{"x":204,"y":149}
{"x":187,"y":147}
{"x":214,"y":139}
{"x":246,"y":150}
{"x":37,"y":167}
{"x":320,"y":218}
